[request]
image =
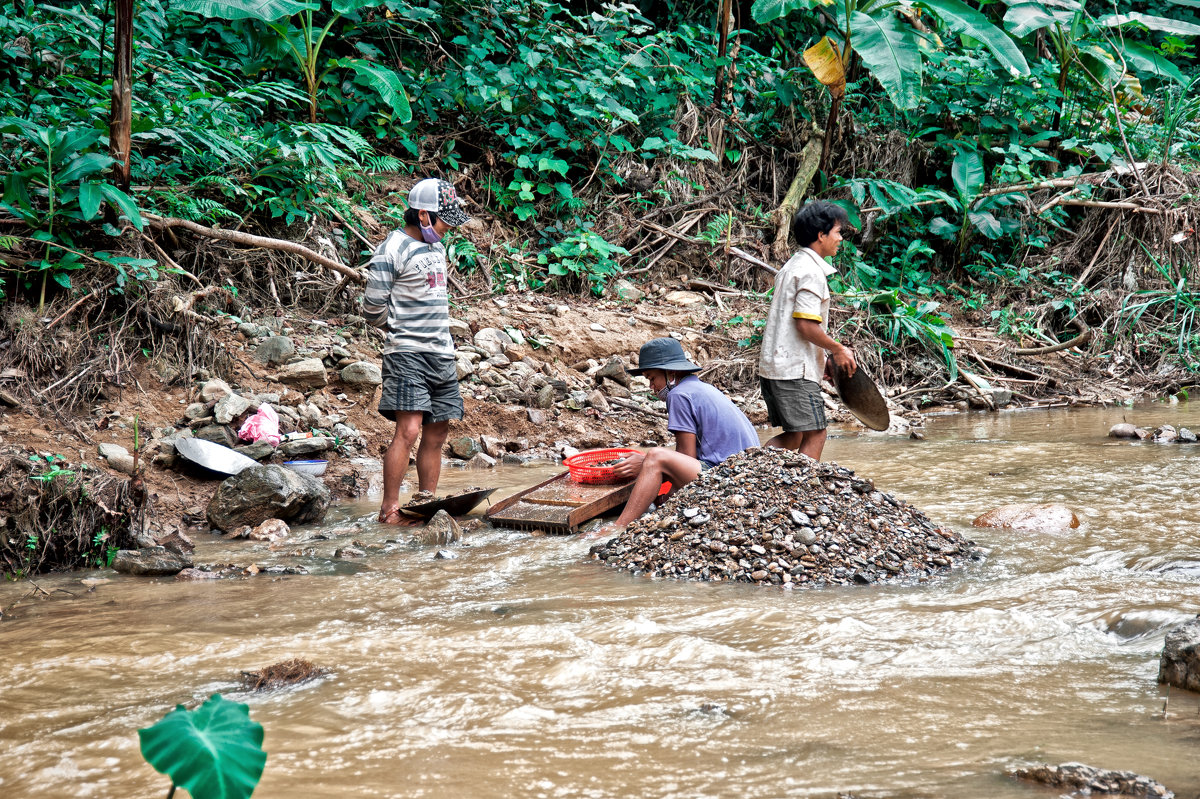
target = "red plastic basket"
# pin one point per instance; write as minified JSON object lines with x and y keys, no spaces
{"x":582,"y":470}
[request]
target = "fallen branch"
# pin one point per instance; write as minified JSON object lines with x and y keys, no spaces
{"x":170,"y":261}
{"x":1083,"y":338}
{"x":1137,"y":208}
{"x":1095,"y":256}
{"x":1008,"y":367}
{"x":810,"y":161}
{"x":739,"y":253}
{"x":78,"y":302}
{"x":251,"y":240}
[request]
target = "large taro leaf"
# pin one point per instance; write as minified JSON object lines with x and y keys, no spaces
{"x":265,"y":10}
{"x":386,"y":83}
{"x":966,"y":21}
{"x":968,"y":176}
{"x":767,"y":10}
{"x":1163,"y":24}
{"x":889,"y":49}
{"x":1025,"y":18}
{"x":214,"y":751}
{"x":1145,"y":58}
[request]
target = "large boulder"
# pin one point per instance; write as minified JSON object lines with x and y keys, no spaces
{"x":464,"y":447}
{"x":1030,"y":517}
{"x":230,"y":407}
{"x":493,"y":341}
{"x":362,"y":373}
{"x":153,"y":561}
{"x":275,"y":349}
{"x":217,"y":434}
{"x":267,"y":492}
{"x":1179,"y":666}
{"x":213,"y":390}
{"x":303,"y":447}
{"x":308,"y":373}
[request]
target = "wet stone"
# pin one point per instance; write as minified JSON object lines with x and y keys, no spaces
{"x":797,"y":523}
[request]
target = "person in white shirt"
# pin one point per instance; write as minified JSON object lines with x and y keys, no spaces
{"x":796,"y":336}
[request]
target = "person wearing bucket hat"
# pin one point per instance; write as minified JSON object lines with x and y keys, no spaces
{"x":406,"y":297}
{"x":708,"y":427}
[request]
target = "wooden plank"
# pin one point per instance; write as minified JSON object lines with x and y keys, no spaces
{"x":558,"y":504}
{"x":597,"y":508}
{"x":515,"y":498}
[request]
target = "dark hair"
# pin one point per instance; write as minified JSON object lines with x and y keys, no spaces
{"x":413,"y":217}
{"x":819,"y":216}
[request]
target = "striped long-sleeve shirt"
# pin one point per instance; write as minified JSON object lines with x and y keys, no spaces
{"x":406,"y":295}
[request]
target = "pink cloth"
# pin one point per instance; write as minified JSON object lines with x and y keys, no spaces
{"x":262,"y":426}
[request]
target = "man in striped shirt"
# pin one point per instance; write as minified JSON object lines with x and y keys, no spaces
{"x":406,"y":296}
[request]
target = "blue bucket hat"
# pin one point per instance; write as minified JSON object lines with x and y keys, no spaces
{"x":663,"y":353}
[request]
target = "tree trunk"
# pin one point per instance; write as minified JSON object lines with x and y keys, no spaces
{"x":809,"y":157}
{"x":122,"y":91}
{"x":723,"y":22}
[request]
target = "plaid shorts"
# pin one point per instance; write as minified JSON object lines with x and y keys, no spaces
{"x":420,"y":381}
{"x":795,"y":405}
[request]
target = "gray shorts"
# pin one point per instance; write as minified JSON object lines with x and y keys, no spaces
{"x":420,"y":381}
{"x":795,"y":405}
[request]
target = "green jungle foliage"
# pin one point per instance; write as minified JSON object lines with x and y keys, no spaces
{"x":275,"y":113}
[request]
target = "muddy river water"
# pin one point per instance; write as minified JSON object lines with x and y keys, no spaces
{"x":521,"y":670}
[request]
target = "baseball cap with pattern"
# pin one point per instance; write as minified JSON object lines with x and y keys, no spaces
{"x":432,"y":194}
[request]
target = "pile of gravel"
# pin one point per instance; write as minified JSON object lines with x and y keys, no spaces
{"x":774,"y":517}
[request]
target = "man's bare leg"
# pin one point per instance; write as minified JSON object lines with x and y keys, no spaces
{"x":429,"y":455}
{"x":395,"y":461}
{"x":661,"y":465}
{"x":807,"y":442}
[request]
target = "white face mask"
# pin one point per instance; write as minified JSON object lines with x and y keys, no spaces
{"x":662,"y":394}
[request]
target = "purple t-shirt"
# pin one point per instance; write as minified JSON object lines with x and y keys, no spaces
{"x":721,"y":430}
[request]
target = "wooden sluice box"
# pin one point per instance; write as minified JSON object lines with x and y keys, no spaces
{"x":557,"y":505}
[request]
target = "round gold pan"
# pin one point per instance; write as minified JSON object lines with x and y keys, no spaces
{"x":860,"y":395}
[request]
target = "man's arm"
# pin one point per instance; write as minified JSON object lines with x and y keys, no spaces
{"x":810,"y":330}
{"x":381,"y":273}
{"x":685,"y":444}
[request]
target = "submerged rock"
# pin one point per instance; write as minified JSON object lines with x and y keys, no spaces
{"x":772,"y":516}
{"x":270,"y":530}
{"x":1031,"y":517}
{"x":1091,"y":780}
{"x":153,"y":561}
{"x":442,"y":529}
{"x":264,"y":492}
{"x":1179,"y":665}
{"x":1126,"y":430}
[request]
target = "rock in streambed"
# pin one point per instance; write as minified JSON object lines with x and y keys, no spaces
{"x":774,"y":517}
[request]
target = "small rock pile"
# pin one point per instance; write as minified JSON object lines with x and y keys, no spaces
{"x":1163,"y":434}
{"x":1086,"y":780}
{"x":774,"y":517}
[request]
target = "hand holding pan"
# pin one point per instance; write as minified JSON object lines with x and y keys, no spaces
{"x":859,"y":394}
